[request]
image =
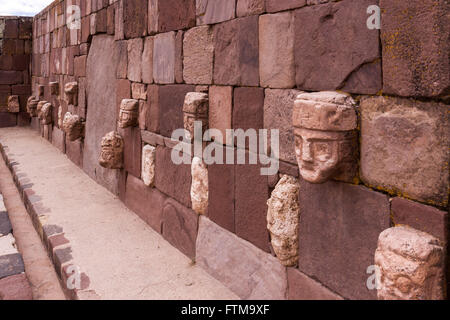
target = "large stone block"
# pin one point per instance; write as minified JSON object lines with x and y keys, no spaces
{"x":247,"y":271}
{"x":146,"y":202}
{"x":278,"y":106}
{"x":338,"y":233}
{"x":147,"y":61}
{"x":11,"y":264}
{"x":198,"y":55}
{"x":248,"y":109}
{"x":302,"y":287}
{"x":101,"y":77}
{"x":132,"y":150}
{"x":167,"y":172}
{"x":169,"y":15}
{"x":8,"y":119}
{"x":332,"y":43}
{"x":135,"y":18}
{"x":236,"y":58}
{"x":276,"y":50}
{"x":215,"y":11}
{"x":171,"y":100}
{"x":164,"y":58}
{"x":180,"y":227}
{"x":421,"y":217}
{"x":135,"y":48}
{"x":249,"y":7}
{"x":121,"y":48}
{"x":414,"y":38}
{"x":221,"y":110}
{"x":15,"y":287}
{"x":405,"y":147}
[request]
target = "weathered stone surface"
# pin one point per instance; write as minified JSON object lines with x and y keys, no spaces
{"x":167,"y":172}
{"x":278,"y":115}
{"x":5,"y":224}
{"x":135,"y":18}
{"x":8,"y":245}
{"x":135,"y":48}
{"x":71,"y":93}
{"x":101,"y":77}
{"x":11,"y":264}
{"x":198,"y":55}
{"x":147,"y":60}
{"x":421,"y":217}
{"x":338,"y":231}
{"x":332,"y":41}
{"x":13,"y":104}
{"x":302,"y":287}
{"x":148,"y":165}
{"x":325,"y":136}
{"x":390,"y":129}
{"x":169,"y":15}
{"x":139,"y":91}
{"x":249,"y":272}
{"x":179,"y":227}
{"x":251,"y":195}
{"x":195,"y":109}
{"x":112,"y":147}
{"x":236,"y":58}
{"x":199,"y":187}
{"x":74,"y":151}
{"x":121,"y":48}
{"x":248,"y":109}
{"x":282,"y":220}
{"x":276,"y":50}
{"x":58,"y":139}
{"x":129,"y":113}
{"x":415,"y":53}
{"x":221,"y":110}
{"x":411,"y":265}
{"x":249,"y":7}
{"x":146,"y":202}
{"x":214,"y":11}
{"x":46,"y":114}
{"x":15,"y":287}
{"x":280,"y":5}
{"x":73,"y":126}
{"x":164,"y":58}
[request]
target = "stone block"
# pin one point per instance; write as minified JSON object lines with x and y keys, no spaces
{"x":123,"y":91}
{"x":11,"y":30}
{"x":121,"y":48}
{"x":152,"y":105}
{"x":5,"y":224}
{"x":247,"y":271}
{"x":164,"y":58}
{"x":166,"y":172}
{"x":59,"y":139}
{"x":15,"y":287}
{"x":405,"y":147}
{"x":135,"y":18}
{"x":180,"y":227}
{"x":248,"y":109}
{"x":132,"y":150}
{"x":236,"y":58}
{"x":135,"y":48}
{"x":198,"y":55}
{"x":333,"y":40}
{"x":147,"y":61}
{"x":249,"y":7}
{"x":276,"y":50}
{"x":199,"y":186}
{"x":11,"y":264}
{"x":148,"y":165}
{"x":420,"y":217}
{"x":281,"y":5}
{"x":8,"y":119}
{"x":215,"y":11}
{"x":138,"y":91}
{"x":221,"y":110}
{"x":415,"y":52}
{"x":338,"y":233}
{"x":169,"y":15}
{"x":146,"y":202}
{"x":79,"y":66}
{"x":74,"y":151}
{"x":302,"y":287}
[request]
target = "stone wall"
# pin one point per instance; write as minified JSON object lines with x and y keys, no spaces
{"x":15,"y":78}
{"x":253,"y":58}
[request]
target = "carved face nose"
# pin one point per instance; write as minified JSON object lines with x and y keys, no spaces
{"x":306,"y":151}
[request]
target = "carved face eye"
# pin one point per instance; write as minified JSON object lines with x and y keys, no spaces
{"x":322,"y":151}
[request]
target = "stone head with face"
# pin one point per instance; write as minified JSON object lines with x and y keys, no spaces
{"x":32,"y":106}
{"x":13,"y":104}
{"x":71,"y":93}
{"x":73,"y":126}
{"x":46,"y":114}
{"x":129,"y":113}
{"x":325,"y":137}
{"x":195,"y":108}
{"x":111,"y":156}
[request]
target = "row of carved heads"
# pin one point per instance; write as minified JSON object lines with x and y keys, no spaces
{"x":70,"y":91}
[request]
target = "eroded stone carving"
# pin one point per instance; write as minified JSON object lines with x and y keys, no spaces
{"x":129,"y":113}
{"x":46,"y":114}
{"x":196,"y":105}
{"x":39,"y":108}
{"x":199,"y":186}
{"x":54,"y":88}
{"x":32,"y":103}
{"x":148,"y":165}
{"x":73,"y":126}
{"x":111,"y":156}
{"x":13,"y":104}
{"x":411,"y":265}
{"x":325,"y":136}
{"x":282,"y":220}
{"x":71,"y":93}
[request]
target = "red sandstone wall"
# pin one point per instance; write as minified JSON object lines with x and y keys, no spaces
{"x":15,"y":79}
{"x":253,"y":57}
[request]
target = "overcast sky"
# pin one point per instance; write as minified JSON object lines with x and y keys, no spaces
{"x":22,"y":7}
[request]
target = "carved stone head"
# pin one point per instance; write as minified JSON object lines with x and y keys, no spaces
{"x":13,"y":104}
{"x":46,"y":114}
{"x":39,"y":108}
{"x":129,"y":113}
{"x":32,"y":103}
{"x":73,"y":126}
{"x":54,"y":88}
{"x":410,"y":265}
{"x":111,"y":156}
{"x":71,"y":93}
{"x":325,"y":136}
{"x":196,"y":106}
